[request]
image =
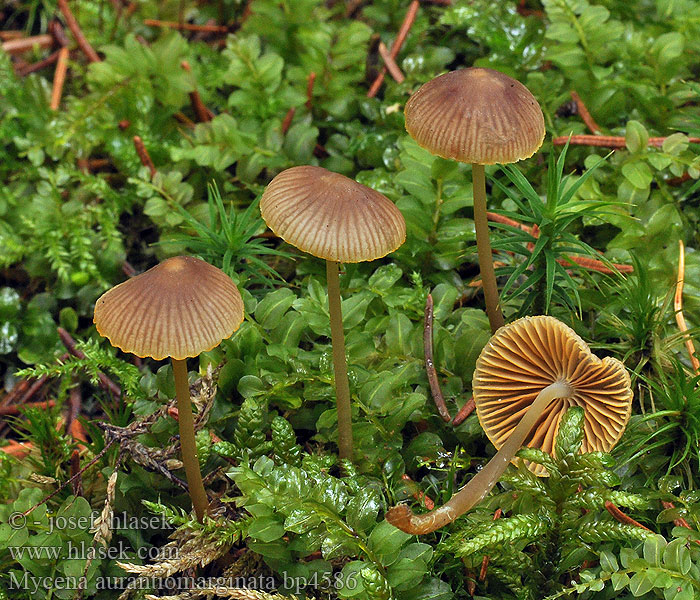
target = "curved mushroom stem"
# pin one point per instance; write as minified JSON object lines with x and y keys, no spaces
{"x":187,"y":442}
{"x":482,"y":483}
{"x":340,"y":367}
{"x":483,"y":248}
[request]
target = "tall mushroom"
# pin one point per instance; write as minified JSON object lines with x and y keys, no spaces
{"x":482,"y":117}
{"x":335,"y":218}
{"x":526,"y":377}
{"x":178,"y":309}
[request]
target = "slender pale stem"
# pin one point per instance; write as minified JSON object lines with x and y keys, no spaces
{"x":482,"y":483}
{"x":340,"y":367}
{"x":483,"y":248}
{"x":187,"y":443}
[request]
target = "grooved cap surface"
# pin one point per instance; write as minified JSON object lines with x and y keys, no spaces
{"x":331,"y":216}
{"x":529,"y":354}
{"x":476,"y":116}
{"x":179,"y":308}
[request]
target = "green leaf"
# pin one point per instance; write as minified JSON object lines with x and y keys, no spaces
{"x":636,"y":137}
{"x":398,"y":333}
{"x":677,"y":556}
{"x":271,"y":308}
{"x":266,"y":529}
{"x":638,"y":174}
{"x":386,"y":541}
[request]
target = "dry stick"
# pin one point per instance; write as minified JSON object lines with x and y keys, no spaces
{"x":609,"y":141}
{"x":310,"y":89}
{"x":144,"y":155}
{"x":203,"y":113}
{"x":287,"y":121}
{"x":38,"y":65}
{"x":80,"y":39}
{"x":390,"y":63}
{"x":486,"y":559}
{"x":588,"y":263}
{"x":75,"y":472}
{"x":105,"y":382}
{"x":464,"y":412}
{"x":678,"y":308}
{"x":59,"y":78}
{"x":622,"y":517}
{"x":11,"y":34}
{"x":583,"y":111}
{"x":14,"y":409}
{"x":22,"y":45}
{"x":419,"y":494}
{"x":429,"y":364}
{"x":186,"y":26}
{"x":98,"y":456}
{"x":680,"y":521}
{"x":396,"y":46}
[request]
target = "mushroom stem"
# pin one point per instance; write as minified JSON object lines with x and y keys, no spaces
{"x":483,"y":247}
{"x":340,"y":367}
{"x":187,"y":442}
{"x":482,"y":483}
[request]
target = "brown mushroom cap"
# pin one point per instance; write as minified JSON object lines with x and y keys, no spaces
{"x":179,"y":308}
{"x":529,"y":354}
{"x":331,"y":216}
{"x":477,"y":116}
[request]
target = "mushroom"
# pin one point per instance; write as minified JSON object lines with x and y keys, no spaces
{"x":335,"y":218}
{"x":526,"y":377}
{"x":482,"y":117}
{"x":178,"y":309}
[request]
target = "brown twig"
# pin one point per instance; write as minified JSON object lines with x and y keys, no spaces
{"x":144,"y":156}
{"x":587,"y":263}
{"x":15,"y":409}
{"x":27,"y":43}
{"x":678,"y":308}
{"x":310,"y":89}
{"x":464,"y":412}
{"x":287,"y":121}
{"x":70,"y":481}
{"x":59,"y":78}
{"x":128,"y":269}
{"x":58,"y":33}
{"x":435,"y":390}
{"x":38,"y":65}
{"x":622,"y":517}
{"x":396,"y":46}
{"x":419,"y":494}
{"x":203,"y":113}
{"x":80,"y":39}
{"x":583,"y":111}
{"x":105,"y":382}
{"x":609,"y":141}
{"x":75,"y":473}
{"x":390,"y":63}
{"x":486,"y":559}
{"x":183,"y":118}
{"x":186,"y":26}
{"x":17,"y":449}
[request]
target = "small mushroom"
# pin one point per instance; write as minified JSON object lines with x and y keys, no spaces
{"x":526,"y":377}
{"x":178,"y":309}
{"x":482,"y":117}
{"x":335,"y":218}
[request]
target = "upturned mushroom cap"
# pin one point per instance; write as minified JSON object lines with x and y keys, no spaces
{"x":476,"y":116}
{"x":331,"y":216}
{"x":531,"y":353}
{"x":179,"y":308}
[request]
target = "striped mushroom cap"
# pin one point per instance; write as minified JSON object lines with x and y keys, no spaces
{"x":476,"y":116}
{"x":331,"y":216}
{"x":526,"y":356}
{"x":179,"y":308}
